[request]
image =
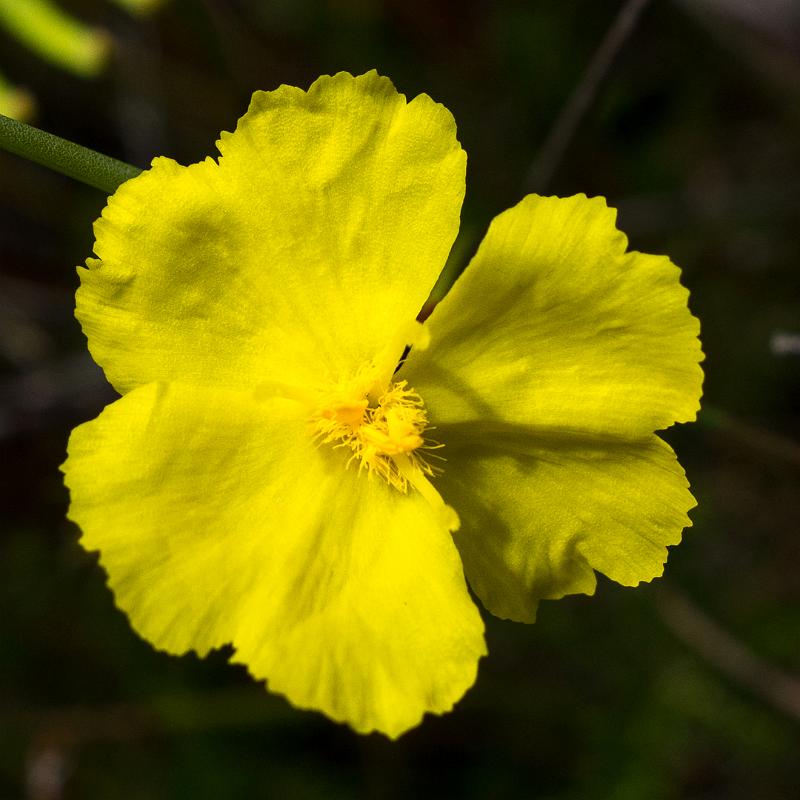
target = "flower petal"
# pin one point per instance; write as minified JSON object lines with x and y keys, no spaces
{"x":540,"y":512}
{"x":554,"y":324}
{"x":296,"y":258}
{"x":219,"y":521}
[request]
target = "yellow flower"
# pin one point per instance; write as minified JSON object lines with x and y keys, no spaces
{"x":270,"y":480}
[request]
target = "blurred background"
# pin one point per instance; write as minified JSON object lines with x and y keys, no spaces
{"x":686,"y":116}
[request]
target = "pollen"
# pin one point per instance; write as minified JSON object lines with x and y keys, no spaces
{"x":385,"y":433}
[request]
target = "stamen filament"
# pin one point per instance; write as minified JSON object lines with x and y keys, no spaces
{"x":415,"y":476}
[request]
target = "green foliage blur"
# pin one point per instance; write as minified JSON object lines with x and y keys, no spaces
{"x":695,"y":136}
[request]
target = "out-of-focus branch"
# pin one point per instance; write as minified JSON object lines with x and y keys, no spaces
{"x":730,"y":656}
{"x":56,"y":735}
{"x":753,"y":437}
{"x":562,"y":132}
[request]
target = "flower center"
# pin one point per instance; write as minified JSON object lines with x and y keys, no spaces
{"x":385,"y":435}
{"x":384,"y":430}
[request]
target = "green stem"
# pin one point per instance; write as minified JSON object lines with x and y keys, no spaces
{"x":81,"y":163}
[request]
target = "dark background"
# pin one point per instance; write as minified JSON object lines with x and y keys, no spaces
{"x":682,"y":689}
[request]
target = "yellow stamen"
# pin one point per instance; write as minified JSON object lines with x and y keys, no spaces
{"x":386,"y":436}
{"x":415,"y":476}
{"x":347,"y":413}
